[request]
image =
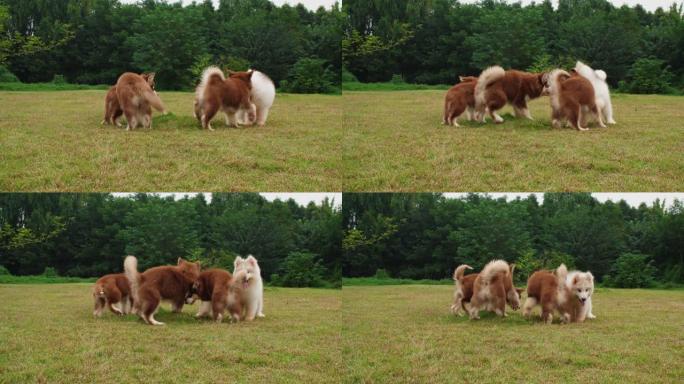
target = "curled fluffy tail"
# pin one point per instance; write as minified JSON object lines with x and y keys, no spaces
{"x":601,"y":74}
{"x":208,"y":73}
{"x":561,"y":273}
{"x":492,"y":269}
{"x":487,"y":77}
{"x":131,"y":270}
{"x":460,"y":270}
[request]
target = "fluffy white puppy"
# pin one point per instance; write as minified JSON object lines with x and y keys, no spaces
{"x":581,"y":284}
{"x":247,"y":270}
{"x":598,"y":80}
{"x":262,"y":97}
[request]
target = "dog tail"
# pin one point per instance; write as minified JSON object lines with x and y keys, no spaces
{"x":154,"y":101}
{"x":131,"y":270}
{"x":208,"y":74}
{"x":492,"y":269}
{"x":460,"y":270}
{"x":561,"y":273}
{"x":601,"y":74}
{"x":487,"y":77}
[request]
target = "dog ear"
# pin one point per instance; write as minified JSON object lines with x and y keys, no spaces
{"x":512,"y":268}
{"x":251,"y":260}
{"x":591,"y":277}
{"x":575,"y":279}
{"x":150,"y":77}
{"x":180,"y":260}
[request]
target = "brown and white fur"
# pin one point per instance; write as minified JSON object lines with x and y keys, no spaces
{"x":248,"y":274}
{"x":460,"y":98}
{"x":217,"y":293}
{"x":550,"y":290}
{"x":113,"y":109}
{"x":112,"y":291}
{"x":463,"y":290}
{"x":137,"y":98}
{"x":572,"y":99}
{"x":170,"y":282}
{"x":496,"y":87}
{"x":217,"y":93}
{"x":492,"y":288}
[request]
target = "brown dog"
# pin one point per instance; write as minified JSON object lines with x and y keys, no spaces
{"x":463,"y":291}
{"x":216,"y":93}
{"x":496,"y":87}
{"x":137,"y":98}
{"x":112,"y":291}
{"x":215,"y":289}
{"x":160,"y":283}
{"x":112,"y":107}
{"x":549,"y":289}
{"x":460,"y":98}
{"x":493,"y":288}
{"x":572,"y":97}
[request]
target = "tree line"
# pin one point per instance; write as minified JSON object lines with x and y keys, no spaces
{"x":88,"y":235}
{"x":94,"y":41}
{"x":425,"y":236}
{"x":435,"y":41}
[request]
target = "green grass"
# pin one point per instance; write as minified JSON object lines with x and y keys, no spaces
{"x":362,"y":281}
{"x":49,"y":335}
{"x":53,"y":141}
{"x":396,"y":142}
{"x":405,"y":334}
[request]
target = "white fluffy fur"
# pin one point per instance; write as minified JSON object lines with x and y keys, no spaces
{"x":487,"y":77}
{"x":583,"y":290}
{"x":598,"y":80}
{"x":262,"y":95}
{"x":253,"y":294}
{"x":554,"y":88}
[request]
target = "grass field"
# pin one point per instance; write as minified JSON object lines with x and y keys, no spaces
{"x":395,"y":142}
{"x":53,"y":141}
{"x":405,"y":334}
{"x":49,"y":335}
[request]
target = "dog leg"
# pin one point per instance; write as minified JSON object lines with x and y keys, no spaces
{"x":497,"y":119}
{"x":150,"y":318}
{"x":530,"y":302}
{"x":114,"y":307}
{"x":589,"y":314}
{"x":527,"y":114}
{"x":204,"y":309}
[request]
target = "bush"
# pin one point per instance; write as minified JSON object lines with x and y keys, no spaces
{"x":59,"y":79}
{"x":348,"y":77}
{"x":647,"y":76}
{"x":310,"y":76}
{"x":381,"y":274}
{"x":6,"y":76}
{"x":300,"y":269}
{"x":631,"y":270}
{"x":50,"y":272}
{"x":218,"y":259}
{"x":397,"y":79}
{"x":529,"y":262}
{"x":4,"y":271}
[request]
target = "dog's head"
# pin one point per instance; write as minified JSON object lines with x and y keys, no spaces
{"x":245,"y":77}
{"x":149,"y":78}
{"x":192,"y":294}
{"x":582,"y":286}
{"x":189,"y":270}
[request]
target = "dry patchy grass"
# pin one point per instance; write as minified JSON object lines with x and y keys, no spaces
{"x":405,"y":334}
{"x":49,"y":335}
{"x":53,"y":141}
{"x":395,"y":142}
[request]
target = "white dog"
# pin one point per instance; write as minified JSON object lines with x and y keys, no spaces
{"x":582,"y":285}
{"x":598,"y":80}
{"x":262,"y":96}
{"x":253,"y":287}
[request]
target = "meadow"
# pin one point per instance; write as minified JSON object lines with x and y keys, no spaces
{"x":49,"y":335}
{"x":405,"y":334}
{"x":396,"y":142}
{"x":53,"y":141}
